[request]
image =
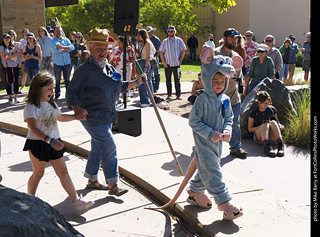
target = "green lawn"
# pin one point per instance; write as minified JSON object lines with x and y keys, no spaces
{"x":189,"y":71}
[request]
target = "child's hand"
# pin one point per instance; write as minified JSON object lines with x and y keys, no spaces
{"x":226,"y":135}
{"x":58,"y":145}
{"x":216,"y":136}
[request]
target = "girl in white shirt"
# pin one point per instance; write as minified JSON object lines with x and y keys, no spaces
{"x":43,"y":138}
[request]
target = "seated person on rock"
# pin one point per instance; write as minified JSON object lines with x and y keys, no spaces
{"x":263,"y":122}
{"x":261,"y":67}
{"x":197,"y":89}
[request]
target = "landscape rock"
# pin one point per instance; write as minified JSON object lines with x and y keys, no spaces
{"x":281,"y":100}
{"x":22,"y":214}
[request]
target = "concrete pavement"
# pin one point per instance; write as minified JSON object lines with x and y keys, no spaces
{"x":110,"y":216}
{"x":274,"y":192}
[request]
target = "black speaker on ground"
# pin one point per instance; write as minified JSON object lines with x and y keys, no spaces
{"x":126,"y":12}
{"x":128,"y":121}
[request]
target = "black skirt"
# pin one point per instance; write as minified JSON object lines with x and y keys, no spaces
{"x":42,"y":150}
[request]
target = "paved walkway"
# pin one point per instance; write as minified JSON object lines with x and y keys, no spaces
{"x":274,"y":192}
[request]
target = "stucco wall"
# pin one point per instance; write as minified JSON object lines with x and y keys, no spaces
{"x":280,"y":18}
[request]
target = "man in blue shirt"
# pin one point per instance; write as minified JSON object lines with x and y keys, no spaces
{"x":156,"y":43}
{"x":60,"y":47}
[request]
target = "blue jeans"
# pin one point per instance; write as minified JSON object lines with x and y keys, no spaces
{"x":235,"y":142}
{"x":253,"y":84}
{"x":144,"y":97}
{"x":284,"y":72}
{"x":66,"y":70}
{"x":103,"y":151}
{"x":156,"y":76}
{"x":32,"y":72}
{"x":193,"y":54}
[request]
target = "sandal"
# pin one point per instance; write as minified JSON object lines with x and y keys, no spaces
{"x":115,"y":190}
{"x":235,"y":216}
{"x":93,"y":185}
{"x":192,"y":201}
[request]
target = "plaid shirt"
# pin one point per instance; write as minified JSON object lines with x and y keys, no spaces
{"x":172,"y":50}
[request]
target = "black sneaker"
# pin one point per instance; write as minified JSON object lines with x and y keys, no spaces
{"x":280,"y":149}
{"x":239,"y":153}
{"x":268,"y":150}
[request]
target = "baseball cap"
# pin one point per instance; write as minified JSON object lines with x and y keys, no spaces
{"x":150,"y":28}
{"x":30,"y":35}
{"x":291,"y":36}
{"x":5,"y":36}
{"x":171,"y":28}
{"x":231,"y":32}
{"x":263,"y":47}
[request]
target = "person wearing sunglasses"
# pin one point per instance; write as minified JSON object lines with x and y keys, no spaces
{"x":172,"y":50}
{"x":75,"y":54}
{"x":274,"y":54}
{"x":261,"y":67}
{"x":251,"y":48}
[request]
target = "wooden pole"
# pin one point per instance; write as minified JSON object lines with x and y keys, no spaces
{"x":154,"y":105}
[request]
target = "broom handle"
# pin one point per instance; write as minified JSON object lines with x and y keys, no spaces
{"x":159,"y":118}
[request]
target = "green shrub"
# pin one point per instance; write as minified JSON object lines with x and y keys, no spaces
{"x":297,"y":132}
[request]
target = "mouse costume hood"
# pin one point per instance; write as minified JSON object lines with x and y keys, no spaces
{"x":212,"y":64}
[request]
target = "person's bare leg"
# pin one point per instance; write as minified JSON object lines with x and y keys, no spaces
{"x":275,"y":132}
{"x":61,"y":170}
{"x":306,"y":75}
{"x":275,"y":135}
{"x":263,"y":132}
{"x":37,"y":173}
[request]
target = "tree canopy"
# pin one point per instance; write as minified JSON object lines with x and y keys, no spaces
{"x":89,"y":14}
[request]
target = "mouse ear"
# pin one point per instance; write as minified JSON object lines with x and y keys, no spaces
{"x":207,"y":55}
{"x":237,"y":62}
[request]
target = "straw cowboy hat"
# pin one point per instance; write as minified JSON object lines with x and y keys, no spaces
{"x":100,"y":36}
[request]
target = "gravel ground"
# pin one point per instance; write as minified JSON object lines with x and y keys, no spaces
{"x":180,"y":107}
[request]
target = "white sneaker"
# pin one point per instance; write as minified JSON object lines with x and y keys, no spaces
{"x":80,"y":204}
{"x":145,"y":105}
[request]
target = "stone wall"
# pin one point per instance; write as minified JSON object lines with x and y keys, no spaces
{"x":19,"y":14}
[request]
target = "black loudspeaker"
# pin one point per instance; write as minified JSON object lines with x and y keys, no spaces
{"x":128,"y":121}
{"x":126,"y":12}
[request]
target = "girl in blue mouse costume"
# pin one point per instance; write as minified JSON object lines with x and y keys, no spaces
{"x":211,"y":121}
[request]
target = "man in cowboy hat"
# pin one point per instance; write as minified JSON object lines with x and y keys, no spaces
{"x":92,"y":94}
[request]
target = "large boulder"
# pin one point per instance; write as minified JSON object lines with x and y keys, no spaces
{"x":281,"y":100}
{"x":25,"y":215}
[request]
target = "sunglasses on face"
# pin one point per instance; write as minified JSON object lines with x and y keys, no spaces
{"x":248,"y":35}
{"x":260,"y":51}
{"x":235,"y":32}
{"x":170,"y":31}
{"x":268,"y":41}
